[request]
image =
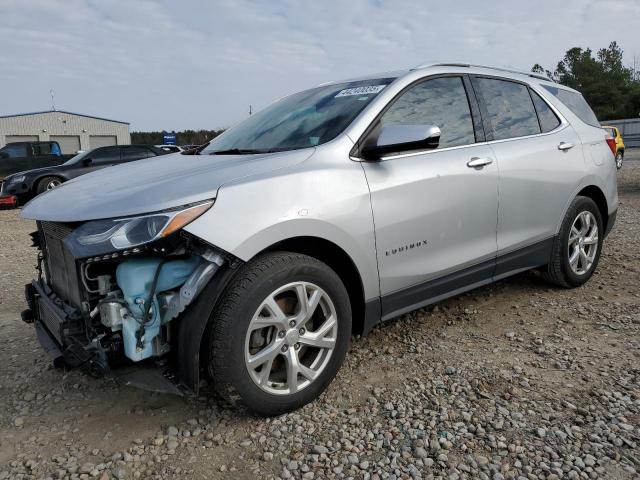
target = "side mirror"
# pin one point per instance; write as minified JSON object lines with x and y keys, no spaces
{"x":401,"y":138}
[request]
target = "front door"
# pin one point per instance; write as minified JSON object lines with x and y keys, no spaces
{"x":434,"y":211}
{"x":95,"y":160}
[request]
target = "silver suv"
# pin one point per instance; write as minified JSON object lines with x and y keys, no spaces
{"x":332,"y":210}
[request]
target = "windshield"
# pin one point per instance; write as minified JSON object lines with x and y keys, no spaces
{"x":301,"y":120}
{"x":77,"y":158}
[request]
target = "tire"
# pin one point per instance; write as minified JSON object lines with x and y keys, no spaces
{"x":561,"y":271}
{"x":265,"y":295}
{"x":47,"y":183}
{"x":619,"y":159}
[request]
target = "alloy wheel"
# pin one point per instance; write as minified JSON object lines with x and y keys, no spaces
{"x":583,"y":243}
{"x":291,"y":338}
{"x":53,"y":184}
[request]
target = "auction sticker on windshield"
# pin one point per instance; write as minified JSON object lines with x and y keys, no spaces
{"x":369,"y":89}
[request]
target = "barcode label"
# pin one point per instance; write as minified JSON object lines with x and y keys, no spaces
{"x":371,"y":89}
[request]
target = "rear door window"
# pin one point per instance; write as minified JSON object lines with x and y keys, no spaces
{"x":576,"y":103}
{"x":136,"y":153}
{"x":41,"y":149}
{"x":548,"y":120}
{"x":441,"y":102}
{"x":509,"y":107}
{"x":104,"y":155}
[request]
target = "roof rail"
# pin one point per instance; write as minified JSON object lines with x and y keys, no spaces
{"x":469,"y":65}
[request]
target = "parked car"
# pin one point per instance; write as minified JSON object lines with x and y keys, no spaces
{"x":193,"y":149}
{"x":19,"y":156}
{"x":615,"y":133}
{"x":332,"y":210}
{"x":189,"y":146}
{"x":30,"y":183}
{"x":170,"y":148}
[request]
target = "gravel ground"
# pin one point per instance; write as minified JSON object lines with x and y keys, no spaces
{"x":513,"y":380}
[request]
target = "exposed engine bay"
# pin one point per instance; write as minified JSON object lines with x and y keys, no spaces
{"x":118,"y":307}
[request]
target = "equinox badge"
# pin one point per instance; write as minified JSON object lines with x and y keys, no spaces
{"x":406,"y":248}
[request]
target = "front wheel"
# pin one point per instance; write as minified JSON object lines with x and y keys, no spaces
{"x":48,"y":183}
{"x":577,"y":248}
{"x":280,"y":333}
{"x":619,"y":159}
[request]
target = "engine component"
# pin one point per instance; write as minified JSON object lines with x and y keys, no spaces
{"x":135,"y":277}
{"x":103,"y":281}
{"x":104,"y":284}
{"x":193,"y":286}
{"x":112,"y":314}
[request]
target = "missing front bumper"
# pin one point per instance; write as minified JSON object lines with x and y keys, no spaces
{"x":53,"y":330}
{"x":59,"y":329}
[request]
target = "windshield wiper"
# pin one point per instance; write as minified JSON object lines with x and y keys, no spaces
{"x":238,"y":151}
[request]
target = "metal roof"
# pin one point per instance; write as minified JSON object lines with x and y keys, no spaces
{"x":500,"y":69}
{"x":63,"y":111}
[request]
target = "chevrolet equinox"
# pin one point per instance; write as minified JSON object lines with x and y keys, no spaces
{"x":253,"y":263}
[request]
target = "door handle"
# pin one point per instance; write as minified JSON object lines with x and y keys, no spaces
{"x":478,"y":162}
{"x":565,"y":146}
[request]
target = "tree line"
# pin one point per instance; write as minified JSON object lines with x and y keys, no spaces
{"x":611,"y":88}
{"x":185,"y":137}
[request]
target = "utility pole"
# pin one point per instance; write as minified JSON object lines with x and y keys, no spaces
{"x":249,"y":110}
{"x":53,"y":105}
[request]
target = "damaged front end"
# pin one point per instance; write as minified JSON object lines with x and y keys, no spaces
{"x":112,"y":292}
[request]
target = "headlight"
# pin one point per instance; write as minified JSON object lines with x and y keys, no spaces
{"x":104,"y":236}
{"x":17,"y":179}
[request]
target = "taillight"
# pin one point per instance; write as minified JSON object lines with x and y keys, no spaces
{"x":612,"y":144}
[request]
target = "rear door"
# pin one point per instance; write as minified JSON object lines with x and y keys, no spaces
{"x":435,"y":216}
{"x":136,"y":152}
{"x":540,"y":166}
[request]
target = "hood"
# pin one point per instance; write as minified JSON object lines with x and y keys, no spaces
{"x":33,"y":171}
{"x":151,"y":185}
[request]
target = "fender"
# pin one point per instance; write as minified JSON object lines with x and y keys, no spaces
{"x":589,"y":180}
{"x":193,"y":323}
{"x":254,"y":213}
{"x":34,"y":182}
{"x":324,"y":230}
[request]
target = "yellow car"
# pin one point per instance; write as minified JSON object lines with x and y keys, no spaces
{"x":615,"y":133}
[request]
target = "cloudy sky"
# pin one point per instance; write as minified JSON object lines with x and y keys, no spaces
{"x":169,"y":64}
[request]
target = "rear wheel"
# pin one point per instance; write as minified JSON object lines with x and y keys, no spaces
{"x":619,"y":159}
{"x":280,"y":333}
{"x":577,"y":248}
{"x":48,"y":183}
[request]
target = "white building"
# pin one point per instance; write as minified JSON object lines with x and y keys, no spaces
{"x":73,"y":131}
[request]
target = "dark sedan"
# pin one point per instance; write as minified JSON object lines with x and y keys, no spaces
{"x":30,"y":183}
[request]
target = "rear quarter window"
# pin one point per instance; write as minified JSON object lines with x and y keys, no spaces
{"x":575,"y":102}
{"x":548,"y":120}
